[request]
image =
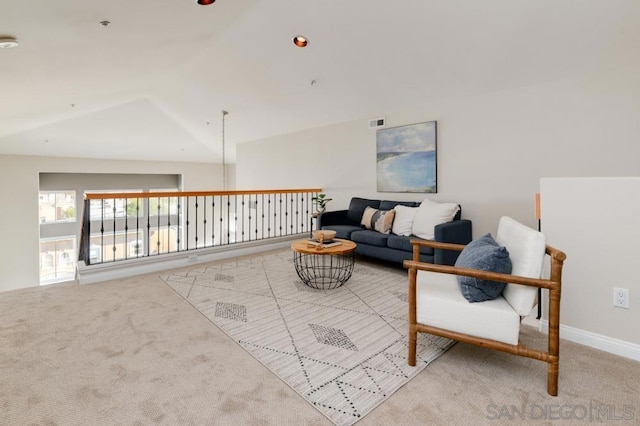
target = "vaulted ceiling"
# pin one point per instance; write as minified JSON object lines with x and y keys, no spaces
{"x":151,"y":85}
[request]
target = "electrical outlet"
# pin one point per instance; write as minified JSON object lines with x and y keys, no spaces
{"x":621,"y":297}
{"x":192,"y":258}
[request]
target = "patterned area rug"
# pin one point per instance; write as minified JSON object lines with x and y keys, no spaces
{"x":343,"y":350}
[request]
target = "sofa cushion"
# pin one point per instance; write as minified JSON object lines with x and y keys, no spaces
{"x":527,"y":250}
{"x":486,"y":255}
{"x":390,"y":255}
{"x":440,"y":304}
{"x":372,"y":238}
{"x":388,"y":205}
{"x":343,"y":231}
{"x":429,"y":215}
{"x":379,"y":220}
{"x":403,"y":222}
{"x":404,"y":243}
{"x":356,"y":209}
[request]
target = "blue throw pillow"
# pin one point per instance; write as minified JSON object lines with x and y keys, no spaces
{"x":487,"y":255}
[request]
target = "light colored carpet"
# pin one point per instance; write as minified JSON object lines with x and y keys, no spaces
{"x":133,"y":352}
{"x":343,"y":350}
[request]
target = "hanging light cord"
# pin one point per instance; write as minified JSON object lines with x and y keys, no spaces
{"x":224,"y":164}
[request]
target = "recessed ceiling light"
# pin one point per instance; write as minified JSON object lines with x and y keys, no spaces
{"x":206,"y":2}
{"x":300,"y":41}
{"x":8,"y":42}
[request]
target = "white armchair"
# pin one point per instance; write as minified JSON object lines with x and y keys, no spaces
{"x":437,"y":306}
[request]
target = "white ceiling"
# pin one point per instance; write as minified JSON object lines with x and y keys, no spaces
{"x":152,"y":84}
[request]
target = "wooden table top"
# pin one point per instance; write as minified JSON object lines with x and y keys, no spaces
{"x":301,"y":246}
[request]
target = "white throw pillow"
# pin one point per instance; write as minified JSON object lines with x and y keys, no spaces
{"x":403,"y":223}
{"x":527,"y":250}
{"x":431,"y":214}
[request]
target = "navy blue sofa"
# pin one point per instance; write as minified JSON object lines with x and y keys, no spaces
{"x":391,"y":247}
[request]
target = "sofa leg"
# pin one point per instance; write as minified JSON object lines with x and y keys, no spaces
{"x":413,"y":336}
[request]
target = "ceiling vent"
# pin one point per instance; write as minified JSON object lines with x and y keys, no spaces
{"x":377,"y":123}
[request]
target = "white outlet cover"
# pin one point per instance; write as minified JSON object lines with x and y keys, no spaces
{"x":621,"y":297}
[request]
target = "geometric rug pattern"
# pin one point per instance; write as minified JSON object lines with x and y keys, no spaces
{"x":343,"y":350}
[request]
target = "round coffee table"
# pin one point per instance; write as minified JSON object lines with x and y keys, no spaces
{"x":324,"y":268}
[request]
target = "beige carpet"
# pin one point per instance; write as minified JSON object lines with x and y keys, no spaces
{"x":343,"y":350}
{"x":133,"y":352}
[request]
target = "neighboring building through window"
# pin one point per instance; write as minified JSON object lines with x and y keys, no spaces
{"x":57,"y":247}
{"x":57,"y":262}
{"x":57,"y":206}
{"x":60,"y":212}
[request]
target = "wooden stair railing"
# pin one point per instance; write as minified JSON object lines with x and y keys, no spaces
{"x":125,"y":225}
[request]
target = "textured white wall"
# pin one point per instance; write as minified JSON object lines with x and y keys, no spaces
{"x":19,"y":223}
{"x":595,"y":221}
{"x":492,"y":149}
{"x":492,"y":152}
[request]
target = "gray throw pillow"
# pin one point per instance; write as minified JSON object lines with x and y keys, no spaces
{"x":486,"y":255}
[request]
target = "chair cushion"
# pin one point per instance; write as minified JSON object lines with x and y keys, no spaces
{"x":356,"y":209}
{"x":403,"y":222}
{"x":372,"y":238}
{"x":429,"y":215}
{"x":486,"y":255}
{"x":526,"y":250}
{"x":439,"y":303}
{"x":379,"y":220}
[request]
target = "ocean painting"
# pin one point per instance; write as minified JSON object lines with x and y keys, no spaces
{"x":407,"y":158}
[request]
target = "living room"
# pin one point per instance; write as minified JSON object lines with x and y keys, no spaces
{"x":561,"y":102}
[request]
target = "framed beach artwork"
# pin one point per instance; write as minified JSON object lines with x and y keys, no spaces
{"x":406,"y":158}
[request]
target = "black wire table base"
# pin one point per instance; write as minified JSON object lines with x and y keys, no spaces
{"x":324,"y":271}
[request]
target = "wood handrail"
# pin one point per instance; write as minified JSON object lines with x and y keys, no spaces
{"x":106,"y":196}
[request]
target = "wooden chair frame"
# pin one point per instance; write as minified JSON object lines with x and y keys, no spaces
{"x":553,"y":284}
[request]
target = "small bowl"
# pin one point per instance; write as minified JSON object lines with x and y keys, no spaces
{"x":327,"y":235}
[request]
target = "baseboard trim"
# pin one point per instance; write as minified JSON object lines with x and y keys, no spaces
{"x":596,"y":341}
{"x":127,"y":268}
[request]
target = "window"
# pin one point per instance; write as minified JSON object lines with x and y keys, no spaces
{"x":117,"y":228}
{"x":125,"y":228}
{"x":118,"y":245}
{"x":57,"y":207}
{"x":57,"y":259}
{"x":110,"y":208}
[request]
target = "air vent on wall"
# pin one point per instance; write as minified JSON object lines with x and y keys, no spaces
{"x":377,"y":123}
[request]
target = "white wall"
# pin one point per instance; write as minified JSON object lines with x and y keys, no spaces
{"x":595,"y":221}
{"x":492,"y":149}
{"x":19,"y":222}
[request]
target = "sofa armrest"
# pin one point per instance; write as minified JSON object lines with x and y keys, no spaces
{"x":337,"y":217}
{"x":457,"y":232}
